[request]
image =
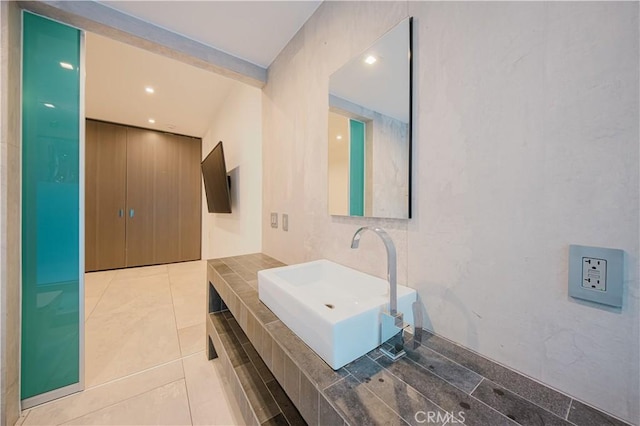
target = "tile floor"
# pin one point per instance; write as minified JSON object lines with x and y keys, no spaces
{"x":145,"y":360}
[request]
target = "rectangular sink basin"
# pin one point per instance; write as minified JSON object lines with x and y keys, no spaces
{"x":334,"y":309}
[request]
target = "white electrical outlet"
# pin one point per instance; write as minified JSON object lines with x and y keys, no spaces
{"x":594,"y":273}
{"x":274,"y":220}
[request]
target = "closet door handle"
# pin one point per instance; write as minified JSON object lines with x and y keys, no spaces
{"x":131,"y":213}
{"x":120,"y":213}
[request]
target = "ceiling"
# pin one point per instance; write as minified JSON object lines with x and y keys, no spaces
{"x":252,"y":30}
{"x":186,"y":98}
{"x":384,"y":85}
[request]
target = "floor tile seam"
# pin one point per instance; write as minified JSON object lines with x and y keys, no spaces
{"x":613,"y":416}
{"x":566,"y":416}
{"x":453,"y":361}
{"x":128,"y":376}
{"x":372,"y":358}
{"x":137,"y":277}
{"x":476,"y":387}
{"x":25,"y":417}
{"x":497,"y":411}
{"x":175,"y":319}
{"x":532,"y":402}
{"x":375,"y":395}
{"x":105,"y":384}
{"x":433,"y":402}
{"x":492,"y":361}
{"x":192,"y":355}
{"x":493,"y":379}
{"x":203,"y":323}
{"x":569,"y":411}
{"x":186,"y":389}
{"x":405,"y":383}
{"x":334,"y":383}
{"x":99,"y":298}
{"x":442,"y":378}
{"x":122,"y":400}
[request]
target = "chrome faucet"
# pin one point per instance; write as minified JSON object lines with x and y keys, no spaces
{"x":391,"y":263}
{"x":393,"y":322}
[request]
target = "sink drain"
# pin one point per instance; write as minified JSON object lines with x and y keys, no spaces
{"x":329,"y":305}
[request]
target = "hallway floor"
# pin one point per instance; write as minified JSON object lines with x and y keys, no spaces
{"x":145,"y":360}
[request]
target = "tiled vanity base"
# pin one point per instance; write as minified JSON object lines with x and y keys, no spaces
{"x":437,"y":383}
{"x":261,"y":399}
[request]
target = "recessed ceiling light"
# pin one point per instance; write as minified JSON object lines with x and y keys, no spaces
{"x":149,"y":89}
{"x":49,"y":105}
{"x":66,"y":65}
{"x":339,"y":137}
{"x":152,"y":121}
{"x":371,"y":59}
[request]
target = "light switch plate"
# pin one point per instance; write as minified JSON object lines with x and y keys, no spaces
{"x":596,"y":274}
{"x":274,"y":220}
{"x":285,"y":222}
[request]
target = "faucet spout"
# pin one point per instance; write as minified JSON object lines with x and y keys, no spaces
{"x":391,"y":263}
{"x":392,"y":324}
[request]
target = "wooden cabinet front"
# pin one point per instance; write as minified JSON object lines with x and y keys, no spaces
{"x":190,"y":198}
{"x":105,"y":195}
{"x":162,"y":203}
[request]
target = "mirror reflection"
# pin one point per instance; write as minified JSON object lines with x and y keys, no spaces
{"x":370,"y":130}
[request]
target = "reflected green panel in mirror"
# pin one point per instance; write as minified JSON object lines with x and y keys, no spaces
{"x":50,"y":206}
{"x":373,"y":88}
{"x":356,"y":167}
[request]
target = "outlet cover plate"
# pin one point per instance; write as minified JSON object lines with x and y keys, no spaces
{"x":274,"y":220}
{"x":285,"y":222}
{"x":596,"y":274}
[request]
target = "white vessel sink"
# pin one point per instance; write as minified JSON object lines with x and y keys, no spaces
{"x":335,"y":310}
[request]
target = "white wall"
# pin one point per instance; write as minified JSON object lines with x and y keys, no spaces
{"x":295,"y":114}
{"x":238,"y":124}
{"x":526,"y":141}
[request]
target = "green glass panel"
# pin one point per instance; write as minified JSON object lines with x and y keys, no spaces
{"x":50,"y":205}
{"x":356,"y":168}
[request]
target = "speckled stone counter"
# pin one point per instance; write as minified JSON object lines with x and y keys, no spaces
{"x":439,"y":382}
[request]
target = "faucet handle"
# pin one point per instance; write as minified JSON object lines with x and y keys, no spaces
{"x":392,"y":339}
{"x":399,"y":320}
{"x":390,"y":325}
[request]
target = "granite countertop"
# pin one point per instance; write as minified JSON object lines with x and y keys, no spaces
{"x":438,"y":382}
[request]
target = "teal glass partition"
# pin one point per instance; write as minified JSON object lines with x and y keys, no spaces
{"x":51,"y":280}
{"x":356,"y":167}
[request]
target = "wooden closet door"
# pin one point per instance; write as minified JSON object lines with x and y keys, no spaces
{"x":190,"y":198}
{"x":105,"y":186}
{"x":152,"y":198}
{"x":166,"y":230}
{"x":139,"y":212}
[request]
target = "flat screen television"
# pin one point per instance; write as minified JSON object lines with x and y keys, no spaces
{"x":216,"y":181}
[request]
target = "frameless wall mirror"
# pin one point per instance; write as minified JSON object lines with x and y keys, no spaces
{"x":369,"y":162}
